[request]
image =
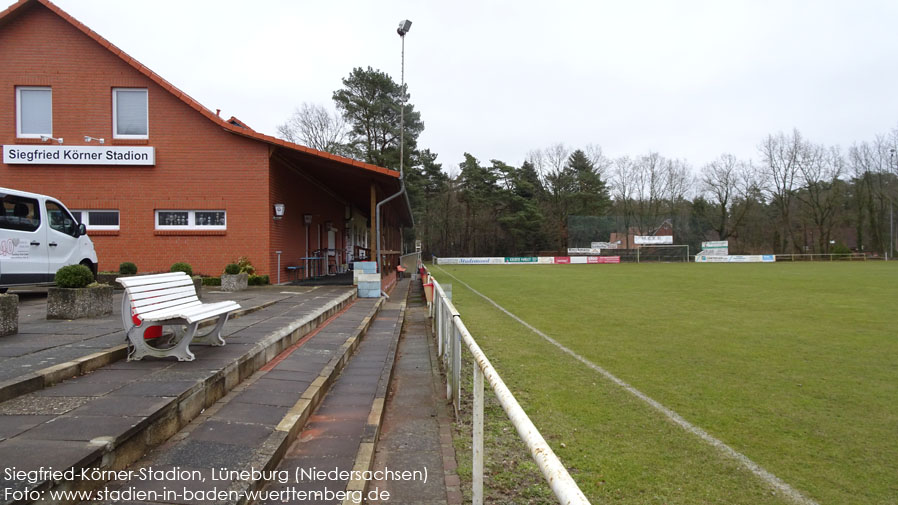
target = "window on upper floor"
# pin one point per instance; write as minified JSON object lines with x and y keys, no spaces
{"x":34,"y":112}
{"x":130,"y":116}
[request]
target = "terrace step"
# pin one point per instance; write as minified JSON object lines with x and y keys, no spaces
{"x":342,"y":433}
{"x":46,"y":352}
{"x":109,"y":418}
{"x":228,"y":450}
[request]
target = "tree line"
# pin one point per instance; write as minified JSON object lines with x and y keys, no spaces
{"x":797,"y":197}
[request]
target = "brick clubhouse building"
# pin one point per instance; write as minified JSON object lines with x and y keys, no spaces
{"x":158,"y":178}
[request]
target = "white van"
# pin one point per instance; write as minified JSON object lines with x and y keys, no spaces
{"x":38,"y":236}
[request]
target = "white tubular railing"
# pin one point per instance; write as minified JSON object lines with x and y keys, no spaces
{"x":450,"y":332}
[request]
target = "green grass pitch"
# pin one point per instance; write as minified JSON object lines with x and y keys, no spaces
{"x":793,"y":365}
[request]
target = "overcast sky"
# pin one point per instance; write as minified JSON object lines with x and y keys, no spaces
{"x":688,"y":79}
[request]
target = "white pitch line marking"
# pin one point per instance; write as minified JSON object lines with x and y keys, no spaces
{"x":768,"y":478}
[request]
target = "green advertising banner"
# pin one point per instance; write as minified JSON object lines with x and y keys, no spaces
{"x":531,"y":259}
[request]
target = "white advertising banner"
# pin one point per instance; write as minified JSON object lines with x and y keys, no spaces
{"x":583,"y":250}
{"x":753,"y":258}
{"x":604,"y":245}
{"x":716,"y":248}
{"x":78,"y":155}
{"x":653,"y":239}
{"x":474,"y":261}
{"x":578,"y":260}
{"x":546,"y":260}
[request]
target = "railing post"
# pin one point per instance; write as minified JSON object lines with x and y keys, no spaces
{"x":450,"y":368}
{"x":477,"y":463}
{"x":458,"y":369}
{"x":438,"y":321}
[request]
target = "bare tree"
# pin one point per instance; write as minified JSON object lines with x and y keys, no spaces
{"x":623,"y":188}
{"x":651,"y":186}
{"x":780,"y":154}
{"x":819,"y":170}
{"x":315,"y":126}
{"x":729,"y":183}
{"x":597,"y":157}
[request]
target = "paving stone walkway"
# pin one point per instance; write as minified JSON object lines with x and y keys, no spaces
{"x":341,"y":434}
{"x":110,"y":417}
{"x":417,"y":425}
{"x":207,"y":430}
{"x":42,"y":343}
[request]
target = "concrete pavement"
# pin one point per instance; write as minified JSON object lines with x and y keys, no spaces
{"x":302,"y":384}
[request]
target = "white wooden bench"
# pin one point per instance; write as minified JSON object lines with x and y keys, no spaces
{"x":169,"y":300}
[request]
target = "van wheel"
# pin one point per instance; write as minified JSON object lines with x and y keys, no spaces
{"x":93,"y":268}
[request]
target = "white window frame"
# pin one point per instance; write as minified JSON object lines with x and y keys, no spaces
{"x":85,"y":219}
{"x":115,"y":133}
{"x":191,"y":220}
{"x":19,"y":133}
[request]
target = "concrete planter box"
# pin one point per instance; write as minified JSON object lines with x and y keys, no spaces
{"x":9,"y":314}
{"x":237,"y":282}
{"x":198,"y":286}
{"x":67,"y":303}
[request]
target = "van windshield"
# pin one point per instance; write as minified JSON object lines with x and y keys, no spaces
{"x":19,"y":213}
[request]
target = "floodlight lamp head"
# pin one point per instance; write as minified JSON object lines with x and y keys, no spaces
{"x":404,"y":26}
{"x":45,"y":138}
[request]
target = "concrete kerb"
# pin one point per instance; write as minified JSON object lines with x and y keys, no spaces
{"x":44,"y":378}
{"x":365,"y":457}
{"x":273,"y":449}
{"x":122,"y":451}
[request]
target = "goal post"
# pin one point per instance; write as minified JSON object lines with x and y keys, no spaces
{"x":663,"y":252}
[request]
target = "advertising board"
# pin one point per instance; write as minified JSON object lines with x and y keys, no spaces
{"x":653,"y":239}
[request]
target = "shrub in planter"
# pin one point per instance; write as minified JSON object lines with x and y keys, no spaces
{"x":211,"y":281}
{"x":245,"y":266}
{"x":127,"y":268}
{"x":74,"y":276}
{"x":233,"y":281}
{"x":182,"y":267}
{"x":76,"y":295}
{"x":258,"y":280}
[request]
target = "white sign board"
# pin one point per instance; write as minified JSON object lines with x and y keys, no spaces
{"x":754,"y":258}
{"x":653,"y":239}
{"x":604,"y":245}
{"x":716,"y":248}
{"x":78,"y":155}
{"x":583,"y":250}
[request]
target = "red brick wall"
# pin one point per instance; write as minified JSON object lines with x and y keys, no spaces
{"x":198,"y":164}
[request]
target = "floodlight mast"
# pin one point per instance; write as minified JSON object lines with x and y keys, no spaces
{"x":404,"y":26}
{"x":891,"y":219}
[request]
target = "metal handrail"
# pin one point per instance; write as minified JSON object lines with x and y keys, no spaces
{"x":451,"y":332}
